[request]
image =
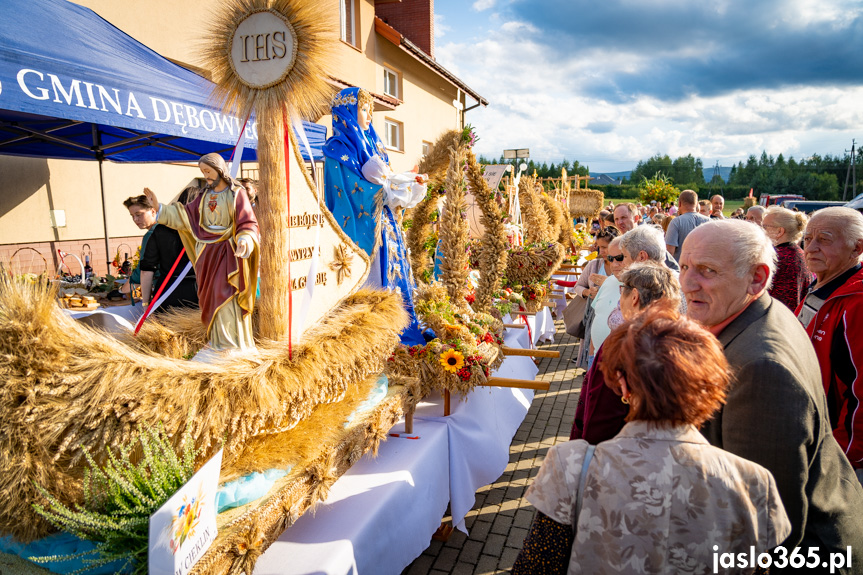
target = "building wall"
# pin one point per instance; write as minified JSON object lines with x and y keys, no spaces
{"x":33,"y":187}
{"x":37,"y":185}
{"x":426,"y":110}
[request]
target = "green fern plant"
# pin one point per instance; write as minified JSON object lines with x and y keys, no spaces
{"x":120,"y":497}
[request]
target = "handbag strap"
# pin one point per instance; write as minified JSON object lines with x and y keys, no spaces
{"x":588,"y":456}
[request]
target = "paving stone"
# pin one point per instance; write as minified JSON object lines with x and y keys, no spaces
{"x":434,"y":547}
{"x":495,"y":496}
{"x":516,"y":537}
{"x":480,"y":530}
{"x":523,"y":518}
{"x":486,"y":565}
{"x":463,"y":569}
{"x":470,"y":552}
{"x":421,"y":565}
{"x":446,"y":559}
{"x":494,"y":544}
{"x":508,"y":557}
{"x":456,"y":540}
{"x":509,"y":507}
{"x":501,"y":524}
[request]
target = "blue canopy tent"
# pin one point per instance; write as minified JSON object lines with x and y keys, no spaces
{"x":76,"y":87}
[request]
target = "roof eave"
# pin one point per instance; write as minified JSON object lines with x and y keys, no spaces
{"x":397,"y":39}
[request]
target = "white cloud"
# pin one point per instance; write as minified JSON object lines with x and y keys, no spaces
{"x":539,"y":100}
{"x":440,"y":27}
{"x":481,"y":5}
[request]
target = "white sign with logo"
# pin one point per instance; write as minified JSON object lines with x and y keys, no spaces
{"x":185,"y":526}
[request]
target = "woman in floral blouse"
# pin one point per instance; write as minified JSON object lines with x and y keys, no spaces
{"x":657,"y":497}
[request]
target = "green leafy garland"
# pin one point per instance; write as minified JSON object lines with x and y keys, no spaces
{"x":120,"y":497}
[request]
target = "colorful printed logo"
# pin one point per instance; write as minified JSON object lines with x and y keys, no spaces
{"x":186,"y":519}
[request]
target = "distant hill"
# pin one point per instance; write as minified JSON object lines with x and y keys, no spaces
{"x":724,"y":173}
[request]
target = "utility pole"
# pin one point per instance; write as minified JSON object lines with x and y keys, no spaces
{"x":713,"y":182}
{"x":852,"y":173}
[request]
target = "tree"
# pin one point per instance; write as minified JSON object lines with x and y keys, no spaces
{"x":687,"y":170}
{"x":650,"y":167}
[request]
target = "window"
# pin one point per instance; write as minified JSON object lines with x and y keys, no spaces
{"x":347,"y":15}
{"x":391,"y":82}
{"x":393,"y":133}
{"x":426,"y":147}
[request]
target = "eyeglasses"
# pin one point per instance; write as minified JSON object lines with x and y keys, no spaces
{"x":615,"y":258}
{"x":624,"y":287}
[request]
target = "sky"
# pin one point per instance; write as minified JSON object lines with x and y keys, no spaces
{"x":614,"y":82}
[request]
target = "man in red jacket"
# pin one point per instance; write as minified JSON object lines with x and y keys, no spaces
{"x":832,"y":313}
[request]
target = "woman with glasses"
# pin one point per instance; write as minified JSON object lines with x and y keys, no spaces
{"x":588,"y":284}
{"x":657,"y":498}
{"x":792,"y":277}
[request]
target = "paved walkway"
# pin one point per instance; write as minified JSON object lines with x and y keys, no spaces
{"x":501,"y":516}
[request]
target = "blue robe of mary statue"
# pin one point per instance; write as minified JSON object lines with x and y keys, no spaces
{"x":362,"y":192}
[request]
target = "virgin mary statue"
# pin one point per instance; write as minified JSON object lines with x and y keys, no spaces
{"x":363,"y":192}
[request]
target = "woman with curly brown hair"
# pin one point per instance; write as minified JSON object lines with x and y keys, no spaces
{"x":657,"y":498}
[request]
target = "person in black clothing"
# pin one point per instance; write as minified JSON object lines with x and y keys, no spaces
{"x":161,"y":253}
{"x":159,"y":256}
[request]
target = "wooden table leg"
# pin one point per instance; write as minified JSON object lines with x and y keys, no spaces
{"x":409,"y":422}
{"x":443,"y":532}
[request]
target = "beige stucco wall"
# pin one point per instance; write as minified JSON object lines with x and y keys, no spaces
{"x":170,"y":27}
{"x":36,"y":186}
{"x":426,"y":109}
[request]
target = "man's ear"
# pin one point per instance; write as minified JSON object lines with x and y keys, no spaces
{"x":759,"y":280}
{"x":858,"y":248}
{"x":642,"y":256}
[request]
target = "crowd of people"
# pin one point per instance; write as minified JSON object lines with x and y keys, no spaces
{"x":719,"y":411}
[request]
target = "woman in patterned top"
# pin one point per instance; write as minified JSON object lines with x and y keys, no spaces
{"x":657,"y":498}
{"x":792,"y":277}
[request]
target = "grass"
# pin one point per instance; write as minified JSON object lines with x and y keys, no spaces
{"x":731,"y":205}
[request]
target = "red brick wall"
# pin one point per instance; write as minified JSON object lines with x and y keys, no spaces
{"x":26,"y":261}
{"x":413,"y":18}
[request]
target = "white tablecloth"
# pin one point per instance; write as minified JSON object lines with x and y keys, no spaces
{"x":541,"y":324}
{"x":382,"y":513}
{"x":113,"y":319}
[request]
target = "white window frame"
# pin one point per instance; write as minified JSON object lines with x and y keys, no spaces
{"x":395,"y":92}
{"x":391,"y":126}
{"x":426,"y":148}
{"x":348,"y":25}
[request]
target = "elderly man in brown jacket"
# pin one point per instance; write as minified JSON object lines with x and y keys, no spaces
{"x":776,"y":411}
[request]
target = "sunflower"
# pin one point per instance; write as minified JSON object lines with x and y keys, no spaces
{"x":452,"y":360}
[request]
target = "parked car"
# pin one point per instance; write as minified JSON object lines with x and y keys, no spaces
{"x":766,"y":200}
{"x":856,"y":203}
{"x":807,"y":206}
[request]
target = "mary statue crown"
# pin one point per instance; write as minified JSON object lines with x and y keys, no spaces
{"x":350,"y":144}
